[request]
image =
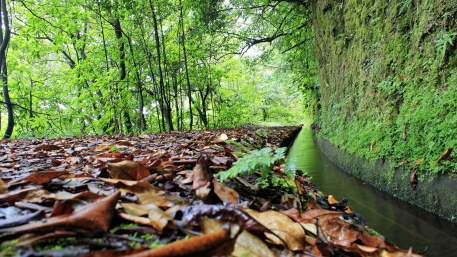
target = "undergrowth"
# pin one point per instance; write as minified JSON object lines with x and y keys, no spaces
{"x":262,"y":161}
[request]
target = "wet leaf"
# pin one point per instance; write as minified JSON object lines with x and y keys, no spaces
{"x":20,"y":219}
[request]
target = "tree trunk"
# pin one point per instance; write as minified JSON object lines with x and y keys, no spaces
{"x":5,"y":39}
{"x":189,"y":91}
{"x":122,"y":67}
{"x":159,"y":62}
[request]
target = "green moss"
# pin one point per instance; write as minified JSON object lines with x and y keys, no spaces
{"x":388,"y":79}
{"x":8,"y":248}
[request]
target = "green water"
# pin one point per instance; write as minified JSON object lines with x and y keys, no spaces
{"x":399,"y":222}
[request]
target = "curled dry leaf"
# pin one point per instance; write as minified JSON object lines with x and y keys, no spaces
{"x":338,"y":231}
{"x":246,"y":244}
{"x":93,"y":217}
{"x":157,"y":198}
{"x":225,"y":193}
{"x":289,"y":231}
{"x":128,"y":170}
{"x":201,"y":178}
{"x":157,"y":218}
{"x":220,"y":139}
{"x":210,"y":244}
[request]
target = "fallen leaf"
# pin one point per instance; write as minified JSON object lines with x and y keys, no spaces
{"x":331,"y":200}
{"x":246,"y":244}
{"x":157,"y":218}
{"x":20,"y":219}
{"x":128,"y":170}
{"x":93,"y":217}
{"x":16,"y":195}
{"x":204,"y":245}
{"x":43,"y":177}
{"x":47,"y":148}
{"x":220,"y":139}
{"x":225,"y":193}
{"x":220,"y":160}
{"x":3,"y":187}
{"x":201,"y":178}
{"x":289,"y":231}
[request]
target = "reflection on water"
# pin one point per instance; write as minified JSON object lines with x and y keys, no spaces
{"x":399,"y":222}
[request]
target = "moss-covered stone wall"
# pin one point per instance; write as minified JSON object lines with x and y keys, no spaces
{"x":388,"y":79}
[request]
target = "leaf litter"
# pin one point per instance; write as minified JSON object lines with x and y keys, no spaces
{"x":156,"y":195}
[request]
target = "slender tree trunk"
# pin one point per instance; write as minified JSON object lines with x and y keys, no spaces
{"x":122,"y":67}
{"x":189,"y":90}
{"x":139,"y":87}
{"x":159,"y":62}
{"x":112,"y":123}
{"x":155,"y":90}
{"x":167,"y":96}
{"x":5,"y":39}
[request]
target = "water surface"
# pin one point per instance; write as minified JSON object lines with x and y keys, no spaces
{"x":401,"y":223}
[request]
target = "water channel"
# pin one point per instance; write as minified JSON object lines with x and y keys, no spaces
{"x":401,"y":223}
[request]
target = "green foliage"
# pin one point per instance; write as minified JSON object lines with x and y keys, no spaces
{"x":8,"y":248}
{"x":260,"y":161}
{"x":443,"y":42}
{"x":66,"y":78}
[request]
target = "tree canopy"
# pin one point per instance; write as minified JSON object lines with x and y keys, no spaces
{"x":117,"y":66}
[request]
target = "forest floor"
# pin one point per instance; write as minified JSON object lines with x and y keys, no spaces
{"x":160,"y":195}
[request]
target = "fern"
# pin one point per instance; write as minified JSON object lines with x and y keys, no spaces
{"x":443,"y":42}
{"x":257,"y":160}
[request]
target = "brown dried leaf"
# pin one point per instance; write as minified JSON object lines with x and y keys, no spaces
{"x":43,"y":177}
{"x":47,"y":148}
{"x":201,"y":178}
{"x":16,"y":195}
{"x":220,"y":139}
{"x":3,"y":187}
{"x":205,"y":245}
{"x":128,"y":170}
{"x":93,"y":217}
{"x":157,"y":218}
{"x":246,"y":244}
{"x":225,"y":193}
{"x":285,"y":228}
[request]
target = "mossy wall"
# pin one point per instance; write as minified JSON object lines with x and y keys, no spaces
{"x":388,"y":79}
